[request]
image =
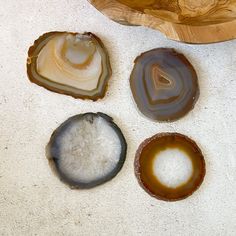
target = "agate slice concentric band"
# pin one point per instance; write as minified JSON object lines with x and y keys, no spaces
{"x":166,"y":145}
{"x":70,"y":63}
{"x":164,"y":84}
{"x":87,"y":150}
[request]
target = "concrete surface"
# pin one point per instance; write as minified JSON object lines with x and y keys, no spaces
{"x":34,"y":202}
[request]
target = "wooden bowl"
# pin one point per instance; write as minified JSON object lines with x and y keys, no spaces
{"x":191,"y":21}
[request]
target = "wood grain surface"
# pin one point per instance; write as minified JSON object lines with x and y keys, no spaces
{"x":205,"y":21}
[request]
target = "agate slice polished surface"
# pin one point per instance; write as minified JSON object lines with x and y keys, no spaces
{"x":169,"y":166}
{"x":164,"y":84}
{"x":70,"y":63}
{"x":87,"y":150}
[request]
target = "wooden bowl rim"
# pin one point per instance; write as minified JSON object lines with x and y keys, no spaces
{"x":195,"y":34}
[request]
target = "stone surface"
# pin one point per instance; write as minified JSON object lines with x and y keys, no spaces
{"x":34,"y":202}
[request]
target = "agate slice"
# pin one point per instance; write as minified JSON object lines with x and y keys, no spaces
{"x":70,"y":63}
{"x":169,"y":166}
{"x":87,"y":150}
{"x":164,"y":84}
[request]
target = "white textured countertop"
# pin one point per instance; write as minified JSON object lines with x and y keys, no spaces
{"x":34,"y":202}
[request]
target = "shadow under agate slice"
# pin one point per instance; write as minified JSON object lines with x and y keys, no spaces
{"x":164,"y":84}
{"x":150,"y":150}
{"x":70,"y":63}
{"x":87,"y":150}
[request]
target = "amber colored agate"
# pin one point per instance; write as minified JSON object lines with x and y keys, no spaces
{"x":70,"y":63}
{"x":150,"y":148}
{"x":164,"y":84}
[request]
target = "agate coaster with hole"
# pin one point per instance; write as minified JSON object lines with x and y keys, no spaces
{"x":150,"y":170}
{"x":87,"y":150}
{"x":164,"y":84}
{"x":70,"y":63}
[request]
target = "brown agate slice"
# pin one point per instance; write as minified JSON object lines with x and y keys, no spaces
{"x":70,"y":63}
{"x":165,"y":145}
{"x":164,"y":84}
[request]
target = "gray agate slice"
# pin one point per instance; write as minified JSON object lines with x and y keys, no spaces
{"x":164,"y":84}
{"x":87,"y":150}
